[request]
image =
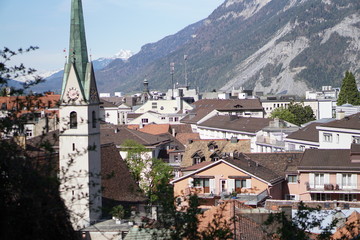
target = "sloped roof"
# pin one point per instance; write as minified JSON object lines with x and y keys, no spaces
{"x":351,"y":229}
{"x":327,"y":159}
{"x":184,"y":138}
{"x":350,"y":122}
{"x":106,"y":104}
{"x":118,"y":134}
{"x":41,"y":102}
{"x":181,"y":128}
{"x":205,"y":106}
{"x":307,"y":133}
{"x":155,"y":129}
{"x":245,"y":165}
{"x":279,"y":162}
{"x":256,"y":169}
{"x":241,"y":124}
{"x":224,"y":146}
{"x":117,"y":182}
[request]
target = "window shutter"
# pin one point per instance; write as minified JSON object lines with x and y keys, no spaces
{"x":248,"y":183}
{"x":354,"y":180}
{"x":326,"y":178}
{"x":212,"y":186}
{"x":311,"y":180}
{"x":231,"y":185}
{"x":339,"y":180}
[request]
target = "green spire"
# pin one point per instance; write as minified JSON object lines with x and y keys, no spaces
{"x":78,"y":50}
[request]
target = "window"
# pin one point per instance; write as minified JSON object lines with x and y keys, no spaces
{"x":239,"y":184}
{"x":73,"y":120}
{"x":290,"y":197}
{"x":302,"y":147}
{"x":327,"y":137}
{"x":93,"y":119}
{"x":144,"y":120}
{"x":346,"y":180}
{"x":171,"y":119}
{"x":73,"y":147}
{"x":202,"y":183}
{"x":320,"y":196}
{"x":176,"y":119}
{"x":292,"y":178}
{"x":197,"y":160}
{"x":154,"y":105}
{"x":319,"y":180}
{"x":348,"y":197}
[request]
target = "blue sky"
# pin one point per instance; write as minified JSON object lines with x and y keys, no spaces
{"x":111,"y":25}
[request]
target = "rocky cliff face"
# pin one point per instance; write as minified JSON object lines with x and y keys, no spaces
{"x":268,"y":45}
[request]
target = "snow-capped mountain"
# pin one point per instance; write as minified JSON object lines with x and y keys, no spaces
{"x":53,"y":79}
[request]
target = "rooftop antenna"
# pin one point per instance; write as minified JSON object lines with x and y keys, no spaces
{"x":186,"y":77}
{"x":172,"y":70}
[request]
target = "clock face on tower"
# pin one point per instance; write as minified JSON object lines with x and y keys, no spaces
{"x":73,"y":94}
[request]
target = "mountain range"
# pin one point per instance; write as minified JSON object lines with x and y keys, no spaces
{"x":273,"y":46}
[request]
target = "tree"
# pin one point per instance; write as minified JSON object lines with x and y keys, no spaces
{"x":349,"y":92}
{"x":307,"y":218}
{"x":150,"y":173}
{"x":295,"y":113}
{"x":30,"y":202}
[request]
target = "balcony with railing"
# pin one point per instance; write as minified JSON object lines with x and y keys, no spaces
{"x":332,"y":187}
{"x":248,"y":198}
{"x":270,"y":141}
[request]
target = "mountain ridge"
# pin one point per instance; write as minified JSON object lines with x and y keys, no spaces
{"x":272,"y":46}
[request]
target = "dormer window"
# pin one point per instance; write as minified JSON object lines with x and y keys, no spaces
{"x":212,"y":146}
{"x":215,"y":156}
{"x":198,"y":157}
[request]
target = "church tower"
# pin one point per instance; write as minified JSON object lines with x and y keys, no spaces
{"x":79,"y":152}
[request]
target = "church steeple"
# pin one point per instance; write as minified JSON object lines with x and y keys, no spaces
{"x":78,"y":60}
{"x":79,"y":140}
{"x":78,"y":50}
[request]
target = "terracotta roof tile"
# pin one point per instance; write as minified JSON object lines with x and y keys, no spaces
{"x":155,"y":129}
{"x":117,"y":182}
{"x":118,"y":134}
{"x":184,"y":138}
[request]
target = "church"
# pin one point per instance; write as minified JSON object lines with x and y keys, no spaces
{"x":80,"y":156}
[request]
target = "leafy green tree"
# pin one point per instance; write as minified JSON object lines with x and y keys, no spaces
{"x":30,"y":202}
{"x":349,"y":92}
{"x":298,"y":228}
{"x":150,"y":173}
{"x":295,"y":113}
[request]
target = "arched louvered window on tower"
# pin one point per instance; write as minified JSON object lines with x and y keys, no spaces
{"x":73,"y":120}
